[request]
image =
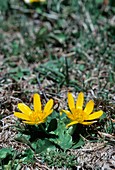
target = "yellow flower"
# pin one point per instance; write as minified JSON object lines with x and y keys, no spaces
{"x":77,"y":114}
{"x":37,"y":115}
{"x":32,"y":1}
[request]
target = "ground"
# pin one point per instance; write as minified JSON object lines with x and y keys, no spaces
{"x":51,"y":48}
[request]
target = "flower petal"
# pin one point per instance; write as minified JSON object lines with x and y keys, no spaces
{"x":95,"y":115}
{"x":24,"y":108}
{"x":48,"y":106}
{"x":31,"y":1}
{"x":61,"y":112}
{"x":72,"y":123}
{"x":88,"y":123}
{"x":33,"y":123}
{"x":69,"y":115}
{"x":71,"y":101}
{"x":89,"y":107}
{"x":37,"y":103}
{"x":80,"y":100}
{"x":48,"y":113}
{"x":21,"y":116}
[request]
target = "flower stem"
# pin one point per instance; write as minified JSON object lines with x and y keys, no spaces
{"x":43,"y":129}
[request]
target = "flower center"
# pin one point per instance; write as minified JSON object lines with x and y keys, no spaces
{"x":36,"y":116}
{"x":79,"y":115}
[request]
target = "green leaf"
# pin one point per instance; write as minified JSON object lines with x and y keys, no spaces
{"x":28,"y":156}
{"x":4,"y":5}
{"x":42,"y":31}
{"x":39,"y":10}
{"x":12,"y":164}
{"x":4,"y":152}
{"x":64,"y":139}
{"x":52,"y":125}
{"x":78,"y":144}
{"x":18,"y":73}
{"x":59,"y":37}
{"x":99,"y":1}
{"x":43,"y":145}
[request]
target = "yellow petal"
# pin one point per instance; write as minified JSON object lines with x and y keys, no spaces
{"x":88,"y":123}
{"x":61,"y":112}
{"x":48,"y":113}
{"x":24,"y":108}
{"x":95,"y":115}
{"x":72,"y":123}
{"x":37,"y":103}
{"x":48,"y":106}
{"x":80,"y":100}
{"x":69,"y":115}
{"x":21,"y":116}
{"x":71,"y":101}
{"x":89,"y":107}
{"x":29,"y":123}
{"x":31,"y":1}
{"x":66,"y":111}
{"x":33,"y":123}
